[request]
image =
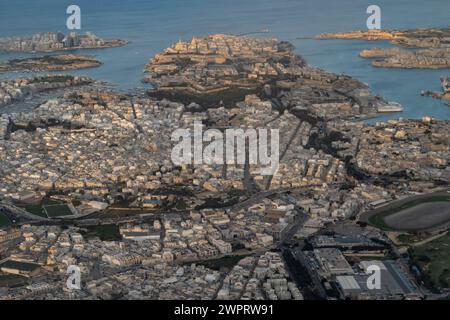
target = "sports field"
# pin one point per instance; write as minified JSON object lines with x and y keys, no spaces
{"x":411,"y":215}
{"x":57,"y":210}
{"x":421,"y":217}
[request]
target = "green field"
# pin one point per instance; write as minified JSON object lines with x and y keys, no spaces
{"x":226,"y":262}
{"x":378,"y":221}
{"x":26,"y":266}
{"x":407,"y":238}
{"x":107,"y":232}
{"x":4,"y":221}
{"x":433,"y":259}
{"x":8,"y":280}
{"x":36,"y":209}
{"x":58,"y":210}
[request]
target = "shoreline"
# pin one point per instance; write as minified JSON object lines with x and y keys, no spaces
{"x":434,"y":45}
{"x":54,"y":42}
{"x":65,"y":62}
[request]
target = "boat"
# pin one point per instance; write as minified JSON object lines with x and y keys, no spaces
{"x":390,"y":106}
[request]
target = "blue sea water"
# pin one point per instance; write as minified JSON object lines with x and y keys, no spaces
{"x":152,"y":25}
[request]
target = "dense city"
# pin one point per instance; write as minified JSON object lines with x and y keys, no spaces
{"x":87,"y":180}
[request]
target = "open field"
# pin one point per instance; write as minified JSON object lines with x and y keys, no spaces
{"x":26,"y":266}
{"x":433,"y":259}
{"x":226,"y":262}
{"x":107,"y":232}
{"x":38,"y":209}
{"x":9,"y":280}
{"x":418,"y":213}
{"x":58,"y":210}
{"x":4,"y":221}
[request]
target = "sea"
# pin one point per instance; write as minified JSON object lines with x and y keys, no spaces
{"x":152,"y":25}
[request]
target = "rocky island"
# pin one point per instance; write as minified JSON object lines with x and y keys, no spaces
{"x":398,"y":58}
{"x":435,"y":45}
{"x":51,"y":41}
{"x":413,"y":38}
{"x":445,"y":94}
{"x":50,"y":63}
{"x":220,"y":70}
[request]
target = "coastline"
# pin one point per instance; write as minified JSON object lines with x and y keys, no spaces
{"x":64,"y":62}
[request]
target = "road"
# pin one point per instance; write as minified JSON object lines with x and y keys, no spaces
{"x":303,"y":260}
{"x":256,"y":198}
{"x":298,"y":222}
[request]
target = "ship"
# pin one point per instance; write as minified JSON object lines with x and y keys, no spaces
{"x":389,"y":106}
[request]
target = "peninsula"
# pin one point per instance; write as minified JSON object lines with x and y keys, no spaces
{"x":220,"y":70}
{"x":51,"y":41}
{"x":50,"y":63}
{"x":413,"y":38}
{"x":398,"y":58}
{"x":435,"y":45}
{"x":445,"y":94}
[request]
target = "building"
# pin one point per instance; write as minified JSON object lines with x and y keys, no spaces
{"x":26,"y":269}
{"x":394,"y":283}
{"x":332,"y":262}
{"x":9,"y":235}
